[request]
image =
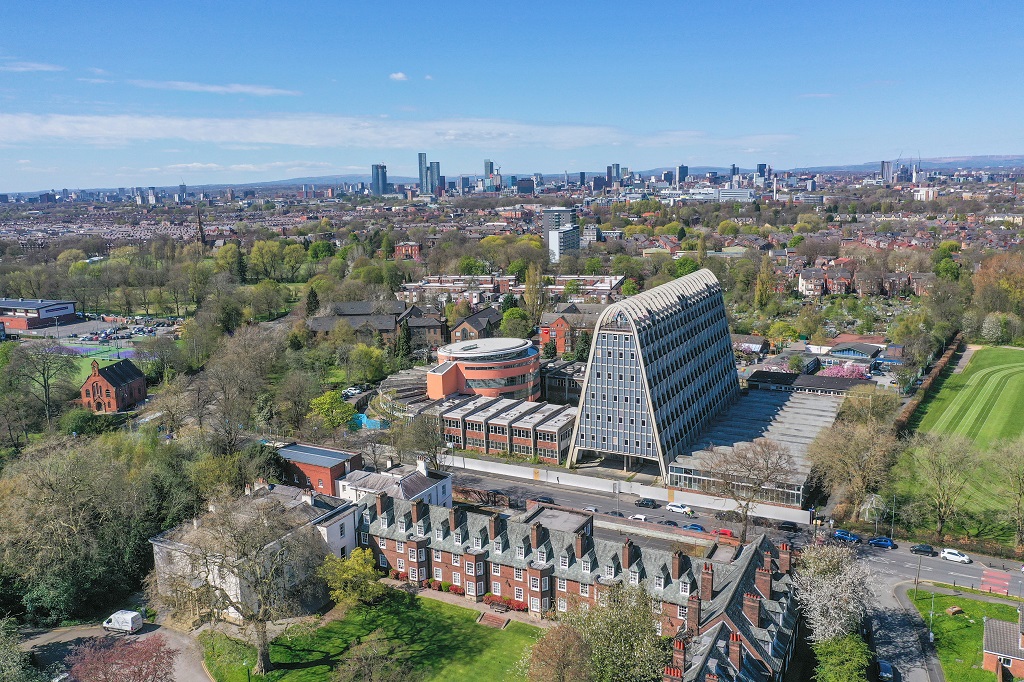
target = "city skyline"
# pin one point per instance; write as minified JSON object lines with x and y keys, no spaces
{"x":208,"y":102}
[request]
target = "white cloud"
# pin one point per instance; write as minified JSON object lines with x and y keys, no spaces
{"x":95,"y":80}
{"x":228,"y":89}
{"x":428,"y":77}
{"x":817,"y":95}
{"x":398,"y":76}
{"x":25,"y":67}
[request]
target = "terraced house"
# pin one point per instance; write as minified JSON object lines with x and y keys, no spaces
{"x":550,"y":559}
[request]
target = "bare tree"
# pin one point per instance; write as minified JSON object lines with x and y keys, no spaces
{"x":831,"y":585}
{"x":422,"y":435}
{"x":47,"y":366}
{"x":854,"y":458}
{"x":248,"y":559}
{"x":748,"y":473}
{"x":1008,"y":458}
{"x":943,"y":464}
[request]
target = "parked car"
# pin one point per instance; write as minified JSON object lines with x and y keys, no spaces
{"x":846,"y":536}
{"x":543,"y":499}
{"x":955,"y":555}
{"x":885,"y":671}
{"x":695,"y":527}
{"x":678,"y":508}
{"x":789,"y":527}
{"x":723,"y":532}
{"x":590,"y":508}
{"x":638,"y":517}
{"x":615,"y":513}
{"x":669,"y":522}
{"x":924,"y":550}
{"x":646,"y":503}
{"x":883,"y":542}
{"x":124,"y":621}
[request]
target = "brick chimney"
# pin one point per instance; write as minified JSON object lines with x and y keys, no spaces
{"x":693,"y":614}
{"x":453,"y":519}
{"x":627,"y":554}
{"x":382,"y":499}
{"x":679,"y":653}
{"x":752,"y":608}
{"x":785,"y":558}
{"x":735,"y":650}
{"x":579,"y":545}
{"x":672,"y":674}
{"x":767,"y":563}
{"x":417,"y":510}
{"x":711,"y":677}
{"x":492,"y":527}
{"x":535,"y":535}
{"x":707,"y":582}
{"x":677,"y":565}
{"x":763,"y":582}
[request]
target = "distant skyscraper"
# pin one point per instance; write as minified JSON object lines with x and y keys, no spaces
{"x":488,"y":168}
{"x":434,"y":177}
{"x":762,"y":169}
{"x":667,"y":177}
{"x":608,"y":175}
{"x":887,"y":172}
{"x":424,"y":169}
{"x":378,"y":179}
{"x":734,"y":170}
{"x":616,"y":172}
{"x":583,"y":178}
{"x":681,"y":173}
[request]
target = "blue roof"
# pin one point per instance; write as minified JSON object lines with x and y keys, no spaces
{"x":312,"y":454}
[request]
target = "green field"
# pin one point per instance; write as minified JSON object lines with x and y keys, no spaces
{"x":437,"y":641}
{"x":982,"y":403}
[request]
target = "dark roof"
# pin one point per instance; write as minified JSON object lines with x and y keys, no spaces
{"x":121,"y":373}
{"x":348,"y":308}
{"x":748,"y":339}
{"x":1002,"y":638}
{"x":863,"y":348}
{"x":811,"y":381}
{"x":29,"y":303}
{"x":480,"y":319}
{"x":312,"y":454}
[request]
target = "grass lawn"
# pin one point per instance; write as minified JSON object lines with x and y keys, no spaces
{"x":437,"y":640}
{"x":958,"y":639}
{"x":981,"y":402}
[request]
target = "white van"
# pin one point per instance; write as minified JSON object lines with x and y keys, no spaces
{"x":124,"y":621}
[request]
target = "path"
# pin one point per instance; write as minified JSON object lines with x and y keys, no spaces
{"x":458,"y":600}
{"x":966,"y":357}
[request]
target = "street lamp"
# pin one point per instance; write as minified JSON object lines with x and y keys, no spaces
{"x":892,"y":518}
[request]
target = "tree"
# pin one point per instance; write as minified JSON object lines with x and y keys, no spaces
{"x":748,"y":472}
{"x":549,"y":350}
{"x":293,"y":258}
{"x":844,"y":659}
{"x":332,"y":407}
{"x":764,"y":289}
{"x":374,"y":659}
{"x":1008,"y":459}
{"x":365,"y":363}
{"x":422,"y":435}
{"x":15,"y":665}
{"x":943,"y":466}
{"x":270,"y":552}
{"x":47,"y":366}
{"x":534,"y":294}
{"x":312,"y":302}
{"x":124,"y":660}
{"x":685,"y":266}
{"x":869,"y":404}
{"x":582,"y":345}
{"x":796,"y":364}
{"x":630,"y":288}
{"x":516,"y":324}
{"x":508,"y":301}
{"x":621,"y":634}
{"x":702,"y":249}
{"x":266,"y":298}
{"x":267,"y":259}
{"x":831,"y":587}
{"x":353,"y":579}
{"x":854,"y":457}
{"x":403,"y":342}
{"x":561,"y":655}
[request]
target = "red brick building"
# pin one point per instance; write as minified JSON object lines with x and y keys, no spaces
{"x":31,"y":313}
{"x":318,"y":467}
{"x":407,"y":251}
{"x":113,"y":388}
{"x":1003,"y":648}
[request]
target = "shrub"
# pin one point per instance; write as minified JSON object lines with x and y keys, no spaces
{"x":84,"y":422}
{"x":425,"y":584}
{"x":435,"y":585}
{"x":393,"y":574}
{"x":445,"y":586}
{"x":403,"y":576}
{"x":518,"y":605}
{"x":455,"y":589}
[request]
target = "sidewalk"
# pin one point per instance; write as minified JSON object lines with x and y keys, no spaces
{"x":459,"y":600}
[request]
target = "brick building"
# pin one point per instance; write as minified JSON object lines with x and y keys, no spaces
{"x":31,"y":313}
{"x":318,"y":467}
{"x":1003,"y":648}
{"x":113,"y":388}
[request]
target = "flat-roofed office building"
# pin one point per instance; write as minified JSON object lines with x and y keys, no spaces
{"x":661,"y":367}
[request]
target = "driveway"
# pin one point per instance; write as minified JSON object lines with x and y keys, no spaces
{"x":51,"y":646}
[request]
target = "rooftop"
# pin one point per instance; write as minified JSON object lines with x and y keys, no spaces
{"x":314,"y":455}
{"x":29,"y":303}
{"x":482,"y":349}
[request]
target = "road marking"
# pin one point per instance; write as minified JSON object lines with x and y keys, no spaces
{"x":963,"y":575}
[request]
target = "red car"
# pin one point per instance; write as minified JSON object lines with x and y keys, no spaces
{"x":724,"y":532}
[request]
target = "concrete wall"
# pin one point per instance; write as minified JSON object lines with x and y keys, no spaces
{"x":567,"y":478}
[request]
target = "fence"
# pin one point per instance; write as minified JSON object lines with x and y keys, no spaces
{"x":902,"y":422}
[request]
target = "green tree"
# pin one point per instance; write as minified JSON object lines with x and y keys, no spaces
{"x":516,"y":324}
{"x":702,"y":249}
{"x":508,"y":301}
{"x":403,"y":342}
{"x":685,"y":266}
{"x":266,"y":298}
{"x":293,"y":258}
{"x":630,"y":288}
{"x":332,"y":407}
{"x":550,"y":350}
{"x":354,"y":579}
{"x":534,"y":294}
{"x":764,"y":289}
{"x":15,"y":665}
{"x":366,"y":364}
{"x":561,"y":655}
{"x":796,"y":364}
{"x":312,"y":302}
{"x":266,"y":258}
{"x":572,"y":288}
{"x":593,"y":266}
{"x":320,"y":250}
{"x":844,"y":659}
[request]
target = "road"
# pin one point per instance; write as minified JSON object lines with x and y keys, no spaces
{"x":50,"y":646}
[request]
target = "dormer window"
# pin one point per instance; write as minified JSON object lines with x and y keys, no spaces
{"x":659,"y":581}
{"x":383,"y":520}
{"x":401,"y":526}
{"x":634,"y":577}
{"x":366,"y":516}
{"x":478,"y":543}
{"x":563,"y":561}
{"x":609,"y":571}
{"x":542,"y":556}
{"x":586,"y":566}
{"x":421,"y":528}
{"x":684,"y":587}
{"x":439,"y":534}
{"x":520,"y":552}
{"x":497,"y":545}
{"x":458,"y":537}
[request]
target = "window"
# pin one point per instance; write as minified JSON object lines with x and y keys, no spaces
{"x":438,"y":574}
{"x":534,"y":604}
{"x":413,"y":575}
{"x":399,"y":545}
{"x":584,"y":590}
{"x":534,"y":582}
{"x":542,"y":556}
{"x":382,"y":561}
{"x":681,"y":611}
{"x":657,"y":626}
{"x":456,"y":578}
{"x":437,"y":555}
{"x":657,"y":607}
{"x":456,"y":559}
{"x":471,"y":568}
{"x":561,"y":604}
{"x":438,"y":534}
{"x":544,"y":584}
{"x":458,"y":537}
{"x":401,"y":526}
{"x":561,"y":584}
{"x":401,"y":564}
{"x":364,"y":539}
{"x":478,"y":543}
{"x":496,"y":588}
{"x":382,"y":543}
{"x":586,"y":565}
{"x":609,"y":571}
{"x":563,"y":561}
{"x":412,"y":553}
{"x":495,"y":569}
{"x":421,"y":528}
{"x":519,"y":574}
{"x":519,"y":594}
{"x":634,"y":577}
{"x":471,"y":588}
{"x":520,"y":552}
{"x":659,"y":581}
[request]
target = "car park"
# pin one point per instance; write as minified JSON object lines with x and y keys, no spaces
{"x":923,"y":550}
{"x":846,"y":536}
{"x":696,"y":527}
{"x":789,"y":527}
{"x":955,"y":555}
{"x":646,"y":503}
{"x":723,"y":532}
{"x":678,"y":508}
{"x":882,"y":542}
{"x":638,"y":517}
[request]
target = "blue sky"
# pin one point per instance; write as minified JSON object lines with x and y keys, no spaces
{"x":153,"y":93}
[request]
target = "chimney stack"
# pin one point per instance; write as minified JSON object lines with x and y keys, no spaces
{"x":677,"y":565}
{"x":693,"y":614}
{"x":679,"y":653}
{"x":711,"y":677}
{"x":672,"y":674}
{"x":381,"y":500}
{"x":492,"y":527}
{"x":579,"y":545}
{"x":627,"y":554}
{"x":417,"y":510}
{"x":785,"y":558}
{"x":752,"y":608}
{"x":535,"y":535}
{"x":307,"y":496}
{"x":767,"y":563}
{"x":735,"y":650}
{"x":707,"y":582}
{"x":453,"y":519}
{"x":763,"y":582}
{"x":421,"y":466}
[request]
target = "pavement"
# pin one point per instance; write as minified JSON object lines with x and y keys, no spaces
{"x":51,"y":646}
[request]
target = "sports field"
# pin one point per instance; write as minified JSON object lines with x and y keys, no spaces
{"x":984,"y":401}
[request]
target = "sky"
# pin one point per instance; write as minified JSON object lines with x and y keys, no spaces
{"x":147,"y":93}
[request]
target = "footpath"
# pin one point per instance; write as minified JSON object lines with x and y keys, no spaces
{"x":459,"y":600}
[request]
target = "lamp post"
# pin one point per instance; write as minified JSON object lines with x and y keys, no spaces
{"x":892,"y":518}
{"x":931,"y":620}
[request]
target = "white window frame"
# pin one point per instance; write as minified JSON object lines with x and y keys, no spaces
{"x":364,"y":539}
{"x":535,"y":604}
{"x":563,"y":561}
{"x":519,"y":574}
{"x":542,"y":556}
{"x":584,"y":590}
{"x":659,"y":581}
{"x":496,"y":588}
{"x":587,"y":566}
{"x":400,"y":564}
{"x":495,"y":569}
{"x":456,"y":559}
{"x":438,"y":534}
{"x":681,"y":611}
{"x":478,"y":543}
{"x":458,"y":537}
{"x":470,"y":568}
{"x":399,"y":546}
{"x":382,"y":543}
{"x":561,"y":585}
{"x":457,"y":578}
{"x":561,"y":604}
{"x":534,"y":582}
{"x":437,"y":555}
{"x":470,"y":588}
{"x":413,"y":574}
{"x":520,"y":552}
{"x":401,"y":526}
{"x":519,"y":594}
{"x":609,"y":571}
{"x":438,"y":574}
{"x":412,"y":553}
{"x":634,"y":577}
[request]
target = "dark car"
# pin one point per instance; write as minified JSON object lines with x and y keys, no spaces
{"x":669,"y":522}
{"x":885,"y":671}
{"x":883,"y":542}
{"x":543,"y":499}
{"x":615,"y":513}
{"x":647,"y":503}
{"x":923,"y":550}
{"x":695,"y":527}
{"x":789,"y":527}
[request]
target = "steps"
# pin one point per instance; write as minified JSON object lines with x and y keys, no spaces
{"x":493,"y":620}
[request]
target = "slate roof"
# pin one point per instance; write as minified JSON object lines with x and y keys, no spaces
{"x":29,"y":303}
{"x":865,"y":349}
{"x":1002,"y":638}
{"x":710,"y":655}
{"x":121,"y":373}
{"x":404,"y":487}
{"x":481,"y":319}
{"x":363,"y":308}
{"x":317,"y":456}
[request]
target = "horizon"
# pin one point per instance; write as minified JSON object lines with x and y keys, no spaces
{"x":216,"y":102}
